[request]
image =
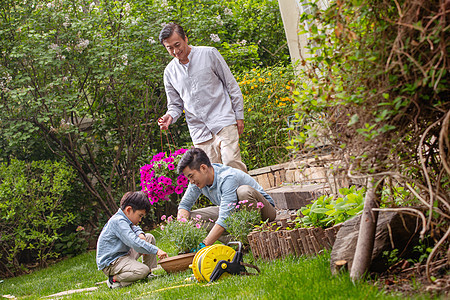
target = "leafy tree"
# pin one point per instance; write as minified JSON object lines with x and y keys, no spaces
{"x":82,"y":80}
{"x":86,"y":78}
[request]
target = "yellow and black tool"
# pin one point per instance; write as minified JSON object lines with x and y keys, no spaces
{"x":216,"y":261}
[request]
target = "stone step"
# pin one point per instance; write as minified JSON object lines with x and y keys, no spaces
{"x":296,"y":196}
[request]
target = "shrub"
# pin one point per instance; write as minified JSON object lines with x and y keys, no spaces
{"x":31,"y":211}
{"x":267,"y":105}
{"x":72,"y":243}
{"x":243,"y":220}
{"x":327,"y":211}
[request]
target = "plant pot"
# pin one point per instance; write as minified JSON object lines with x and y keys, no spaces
{"x":177,"y":263}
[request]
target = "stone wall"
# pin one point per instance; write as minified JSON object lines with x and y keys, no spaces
{"x":308,"y":171}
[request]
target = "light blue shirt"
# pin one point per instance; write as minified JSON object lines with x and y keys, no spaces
{"x":222,"y":192}
{"x":118,"y":236}
{"x":207,"y":92}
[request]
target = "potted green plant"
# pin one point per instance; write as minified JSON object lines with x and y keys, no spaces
{"x":186,"y":235}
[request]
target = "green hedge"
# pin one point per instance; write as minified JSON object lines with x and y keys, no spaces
{"x":31,"y":212}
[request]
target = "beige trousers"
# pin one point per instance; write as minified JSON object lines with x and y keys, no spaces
{"x":244,"y":192}
{"x":128,"y":270}
{"x":223,"y":148}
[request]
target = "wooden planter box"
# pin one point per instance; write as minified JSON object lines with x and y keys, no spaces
{"x":269,"y":245}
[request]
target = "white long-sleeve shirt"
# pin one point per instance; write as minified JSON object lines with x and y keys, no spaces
{"x":207,"y":92}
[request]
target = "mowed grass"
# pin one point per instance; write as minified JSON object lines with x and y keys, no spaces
{"x":290,"y":278}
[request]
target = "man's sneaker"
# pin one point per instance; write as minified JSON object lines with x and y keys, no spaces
{"x":151,"y":276}
{"x":112,"y":284}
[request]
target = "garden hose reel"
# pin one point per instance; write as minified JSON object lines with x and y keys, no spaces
{"x":218,"y":261}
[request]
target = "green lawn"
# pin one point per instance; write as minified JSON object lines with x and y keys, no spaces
{"x":290,"y":278}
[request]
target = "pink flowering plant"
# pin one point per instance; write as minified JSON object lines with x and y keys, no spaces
{"x":185,"y":234}
{"x":159,"y":178}
{"x":243,"y":220}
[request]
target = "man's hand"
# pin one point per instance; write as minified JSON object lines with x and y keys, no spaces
{"x":240,"y":126}
{"x":161,"y":254}
{"x":165,"y":121}
{"x":182,"y":213}
{"x":213,"y":235}
{"x":142,"y":236}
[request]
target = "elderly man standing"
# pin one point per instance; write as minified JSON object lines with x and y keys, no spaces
{"x":199,"y":81}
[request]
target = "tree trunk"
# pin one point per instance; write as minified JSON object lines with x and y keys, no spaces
{"x":367,"y":229}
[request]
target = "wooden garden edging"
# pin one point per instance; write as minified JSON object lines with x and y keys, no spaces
{"x":269,"y":245}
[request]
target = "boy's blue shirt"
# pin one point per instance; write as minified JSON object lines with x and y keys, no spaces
{"x":118,"y":236}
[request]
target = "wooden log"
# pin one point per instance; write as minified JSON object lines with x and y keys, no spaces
{"x":341,"y":265}
{"x":314,"y":242}
{"x":326,"y":243}
{"x":256,"y":241}
{"x":252,"y":243}
{"x":300,"y":245}
{"x":303,"y":236}
{"x":319,"y":234}
{"x":291,"y":245}
{"x":288,"y":243}
{"x":283,"y":243}
{"x":323,"y":239}
{"x":276,"y":246}
{"x":312,"y":251}
{"x":329,"y":232}
{"x":293,"y":234}
{"x":262,"y":246}
{"x":266,"y":245}
{"x":367,"y":230}
{"x":336,"y":228}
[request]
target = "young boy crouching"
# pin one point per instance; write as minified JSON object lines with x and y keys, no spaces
{"x":122,"y":242}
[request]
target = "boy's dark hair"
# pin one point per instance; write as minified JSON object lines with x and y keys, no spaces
{"x":193,"y":159}
{"x":169,"y":29}
{"x":137,"y":201}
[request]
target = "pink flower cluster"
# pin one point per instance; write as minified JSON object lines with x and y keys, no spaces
{"x":259,"y":205}
{"x":196,"y":220}
{"x":159,"y":179}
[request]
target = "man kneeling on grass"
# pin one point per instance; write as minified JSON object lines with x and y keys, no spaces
{"x":224,"y":186}
{"x":122,"y":242}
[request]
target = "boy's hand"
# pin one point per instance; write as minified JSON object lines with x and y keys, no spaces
{"x":161,"y":254}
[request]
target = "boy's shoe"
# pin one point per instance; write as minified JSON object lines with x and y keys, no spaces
{"x":112,"y":284}
{"x":151,"y":276}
